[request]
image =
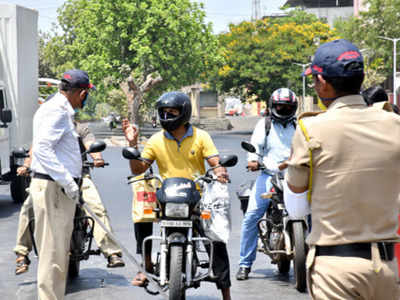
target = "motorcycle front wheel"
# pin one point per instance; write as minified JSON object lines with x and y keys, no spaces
{"x":176,"y":288}
{"x":299,"y":260}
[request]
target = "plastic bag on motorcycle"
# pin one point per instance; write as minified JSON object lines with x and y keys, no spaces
{"x":215,"y":199}
{"x":144,"y":200}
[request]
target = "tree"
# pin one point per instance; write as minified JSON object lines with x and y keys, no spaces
{"x":138,"y":45}
{"x":381,"y":19}
{"x":259,"y":55}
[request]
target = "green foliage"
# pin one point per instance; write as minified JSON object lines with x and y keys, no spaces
{"x":381,"y":19}
{"x":260,"y":56}
{"x":115,"y":39}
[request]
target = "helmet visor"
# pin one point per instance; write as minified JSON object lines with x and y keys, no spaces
{"x":285,"y":110}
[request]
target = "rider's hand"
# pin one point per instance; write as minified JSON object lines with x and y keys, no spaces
{"x":72,"y":191}
{"x":253,"y":165}
{"x":283,"y":166}
{"x":131,"y":132}
{"x":23,"y":171}
{"x":98,"y":162}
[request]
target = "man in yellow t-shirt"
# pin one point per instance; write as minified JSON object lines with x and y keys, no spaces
{"x":179,"y":150}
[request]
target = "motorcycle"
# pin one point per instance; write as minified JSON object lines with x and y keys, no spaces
{"x":179,"y":265}
{"x":154,"y":122}
{"x":283,"y":238}
{"x":82,"y":233}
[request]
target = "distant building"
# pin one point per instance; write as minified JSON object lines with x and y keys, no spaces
{"x":328,"y":10}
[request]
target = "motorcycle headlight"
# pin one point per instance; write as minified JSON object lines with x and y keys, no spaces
{"x":177,"y":210}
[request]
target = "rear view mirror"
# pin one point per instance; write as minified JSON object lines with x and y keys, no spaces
{"x":248,"y":147}
{"x":97,"y":146}
{"x":20,"y":153}
{"x":228,"y":160}
{"x":131,"y":153}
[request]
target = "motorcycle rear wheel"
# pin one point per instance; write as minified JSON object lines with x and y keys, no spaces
{"x":73,"y":268}
{"x":176,"y":288}
{"x":299,"y":260}
{"x":283,"y":264}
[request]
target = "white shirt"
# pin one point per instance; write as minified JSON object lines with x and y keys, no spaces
{"x":55,"y":148}
{"x":274,"y":148}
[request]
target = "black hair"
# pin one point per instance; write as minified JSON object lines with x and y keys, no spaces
{"x":66,"y":86}
{"x":346,"y":85}
{"x":374,"y":94}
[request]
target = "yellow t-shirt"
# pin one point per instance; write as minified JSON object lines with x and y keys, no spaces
{"x":184,"y":159}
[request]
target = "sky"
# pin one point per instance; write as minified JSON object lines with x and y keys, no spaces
{"x":219,"y":12}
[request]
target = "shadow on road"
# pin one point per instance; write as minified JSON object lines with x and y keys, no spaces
{"x":7,"y":206}
{"x":94,"y":278}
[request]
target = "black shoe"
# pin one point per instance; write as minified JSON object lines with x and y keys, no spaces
{"x":243,"y":273}
{"x":115,"y":261}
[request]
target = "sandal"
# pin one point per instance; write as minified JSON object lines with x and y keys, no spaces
{"x":22,"y":264}
{"x":139,"y":280}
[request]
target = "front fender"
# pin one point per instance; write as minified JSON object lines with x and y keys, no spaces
{"x":176,"y":238}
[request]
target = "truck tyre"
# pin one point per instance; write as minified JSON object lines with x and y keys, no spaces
{"x":18,"y":188}
{"x":176,"y":288}
{"x":299,"y":260}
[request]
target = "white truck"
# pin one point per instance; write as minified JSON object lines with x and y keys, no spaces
{"x":18,"y":91}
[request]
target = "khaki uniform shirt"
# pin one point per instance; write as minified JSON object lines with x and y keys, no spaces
{"x":356,"y":172}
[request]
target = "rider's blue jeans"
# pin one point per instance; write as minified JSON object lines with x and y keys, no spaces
{"x":255,"y":211}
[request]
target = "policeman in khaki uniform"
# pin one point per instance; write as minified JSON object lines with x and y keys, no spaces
{"x":90,"y":195}
{"x":345,"y":170}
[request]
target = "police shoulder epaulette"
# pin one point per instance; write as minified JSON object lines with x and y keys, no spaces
{"x":309,"y":114}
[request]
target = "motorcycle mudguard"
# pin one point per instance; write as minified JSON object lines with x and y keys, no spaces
{"x":176,"y":238}
{"x":290,"y":221}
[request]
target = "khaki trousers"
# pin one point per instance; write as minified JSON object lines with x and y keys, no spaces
{"x":92,"y":198}
{"x":352,"y":278}
{"x":54,"y":214}
{"x":24,"y":241}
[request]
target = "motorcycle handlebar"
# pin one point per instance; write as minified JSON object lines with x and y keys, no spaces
{"x":91,"y":164}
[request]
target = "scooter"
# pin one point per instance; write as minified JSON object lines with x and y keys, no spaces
{"x":283,"y":238}
{"x":179,"y":265}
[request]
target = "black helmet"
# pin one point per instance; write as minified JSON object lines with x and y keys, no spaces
{"x":179,"y":101}
{"x":374,"y":94}
{"x":286,"y":97}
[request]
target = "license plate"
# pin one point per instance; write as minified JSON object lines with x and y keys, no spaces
{"x":174,"y":223}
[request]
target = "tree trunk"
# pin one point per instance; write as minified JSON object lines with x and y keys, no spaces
{"x":134,"y":95}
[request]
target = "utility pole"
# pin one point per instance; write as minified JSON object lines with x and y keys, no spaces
{"x":304,"y":78}
{"x":394,"y":40}
{"x":255,"y":10}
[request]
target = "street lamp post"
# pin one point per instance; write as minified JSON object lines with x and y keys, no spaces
{"x":394,"y":40}
{"x":304,"y":77}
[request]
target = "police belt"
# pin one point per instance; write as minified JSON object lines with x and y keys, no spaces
{"x":48,"y":177}
{"x":362,"y":250}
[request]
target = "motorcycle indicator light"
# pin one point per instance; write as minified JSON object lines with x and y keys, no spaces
{"x":205,"y":215}
{"x":148,"y":210}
